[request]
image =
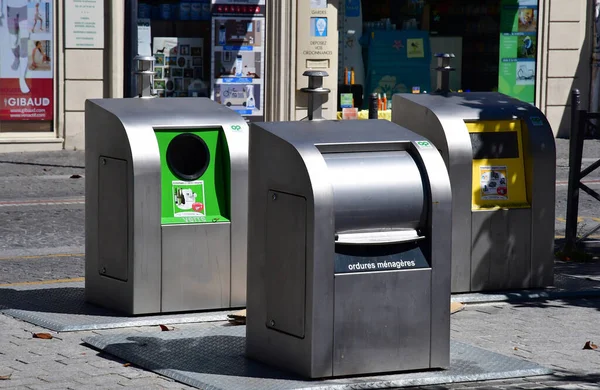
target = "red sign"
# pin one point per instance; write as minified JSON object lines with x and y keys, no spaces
{"x":35,"y":105}
{"x":26,"y":61}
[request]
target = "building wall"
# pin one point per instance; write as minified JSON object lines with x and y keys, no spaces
{"x":565,"y":52}
{"x":85,"y":76}
{"x":81,"y":83}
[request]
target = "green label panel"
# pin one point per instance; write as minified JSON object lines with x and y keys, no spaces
{"x":518,"y":49}
{"x":204,"y":200}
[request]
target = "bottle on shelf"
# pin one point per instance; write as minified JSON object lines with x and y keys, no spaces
{"x":250,"y":99}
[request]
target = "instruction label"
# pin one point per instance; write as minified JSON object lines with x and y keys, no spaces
{"x":188,"y":199}
{"x":494,"y":182}
{"x":410,"y":259}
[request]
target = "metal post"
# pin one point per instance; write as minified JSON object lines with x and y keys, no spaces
{"x":373,"y":107}
{"x":595,"y":63}
{"x":575,"y":152}
{"x":315,"y":90}
{"x":444,"y":69}
{"x":145,"y":76}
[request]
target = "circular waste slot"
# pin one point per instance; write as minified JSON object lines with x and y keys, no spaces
{"x":188,"y":156}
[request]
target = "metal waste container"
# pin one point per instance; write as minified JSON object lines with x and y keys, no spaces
{"x":166,"y":205}
{"x":501,"y":158}
{"x":348,"y":249}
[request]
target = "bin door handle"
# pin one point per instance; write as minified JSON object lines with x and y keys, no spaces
{"x":378,"y":238}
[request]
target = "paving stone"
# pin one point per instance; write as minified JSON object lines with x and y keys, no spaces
{"x":104,"y":379}
{"x":105,"y":363}
{"x":144,"y":383}
{"x":531,"y":386}
{"x":137,"y":382}
{"x":20,"y":383}
{"x":50,"y":386}
{"x":134,"y":372}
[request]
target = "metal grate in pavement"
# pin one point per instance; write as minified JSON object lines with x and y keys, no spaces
{"x":61,"y":307}
{"x":211,"y":357}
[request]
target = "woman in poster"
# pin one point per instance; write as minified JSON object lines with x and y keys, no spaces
{"x":37,"y":55}
{"x":18,"y":33}
{"x":37,"y":17}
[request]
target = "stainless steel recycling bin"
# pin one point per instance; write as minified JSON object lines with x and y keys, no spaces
{"x":166,"y":205}
{"x":501,"y":157}
{"x":349,"y":249}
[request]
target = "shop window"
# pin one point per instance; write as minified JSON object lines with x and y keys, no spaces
{"x":389,"y":47}
{"x":177,"y":34}
{"x":205,"y":49}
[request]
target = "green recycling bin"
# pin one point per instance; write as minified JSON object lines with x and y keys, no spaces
{"x":166,"y":205}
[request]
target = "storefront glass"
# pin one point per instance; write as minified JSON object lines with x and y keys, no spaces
{"x":177,"y":34}
{"x":26,"y":65}
{"x":204,"y":48}
{"x":389,"y":46}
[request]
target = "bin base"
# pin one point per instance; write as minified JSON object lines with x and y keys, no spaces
{"x":213,"y":357}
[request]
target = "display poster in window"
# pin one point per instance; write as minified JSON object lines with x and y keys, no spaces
{"x":26,"y":60}
{"x":518,"y":49}
{"x":238,"y":56}
{"x":144,"y":33}
{"x":178,"y":67}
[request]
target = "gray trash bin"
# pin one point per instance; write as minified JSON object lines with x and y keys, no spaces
{"x":349,"y":249}
{"x":166,"y":205}
{"x":501,"y":158}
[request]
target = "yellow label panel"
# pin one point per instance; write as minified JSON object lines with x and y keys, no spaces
{"x":498,"y":176}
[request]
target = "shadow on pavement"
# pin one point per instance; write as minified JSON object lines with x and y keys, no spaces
{"x":204,"y":355}
{"x":60,"y":300}
{"x":574,"y":302}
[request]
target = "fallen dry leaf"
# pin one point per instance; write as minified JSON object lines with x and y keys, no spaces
{"x":126,"y":364}
{"x":455,"y":307}
{"x":590,"y":345}
{"x":516,"y":349}
{"x":5,"y":377}
{"x":45,"y":336}
{"x":165,"y":328}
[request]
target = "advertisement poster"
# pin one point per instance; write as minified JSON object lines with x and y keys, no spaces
{"x":237,"y":62}
{"x":518,"y":49}
{"x":178,"y":67}
{"x":493,"y":183}
{"x":26,"y":67}
{"x":188,"y":199}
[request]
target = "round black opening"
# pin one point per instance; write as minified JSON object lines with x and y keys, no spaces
{"x":188,"y":156}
